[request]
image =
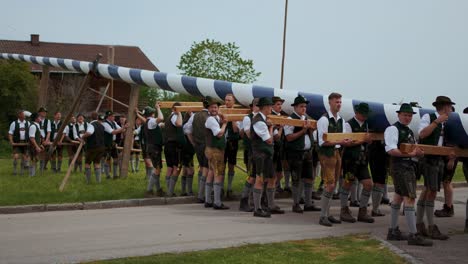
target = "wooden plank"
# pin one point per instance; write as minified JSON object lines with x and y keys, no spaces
{"x":276,"y":120}
{"x":351,"y":136}
{"x":234,"y":117}
{"x":434,"y":150}
{"x":189,"y":108}
{"x":234,"y":111}
{"x":133,"y":150}
{"x":169,"y":104}
{"x":128,"y":141}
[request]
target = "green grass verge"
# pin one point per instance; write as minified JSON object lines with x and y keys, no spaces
{"x":347,"y":249}
{"x":43,"y":189}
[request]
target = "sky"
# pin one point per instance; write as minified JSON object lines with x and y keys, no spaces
{"x":378,"y":50}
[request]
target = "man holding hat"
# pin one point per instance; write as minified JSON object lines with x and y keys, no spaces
{"x":151,"y":145}
{"x":251,"y":172}
{"x":111,"y":129}
{"x":215,"y":145}
{"x":35,"y":147}
{"x":330,"y":155}
{"x":432,"y":132}
{"x":262,"y":150}
{"x":356,"y":167}
{"x":45,"y":129}
{"x":299,"y":143}
{"x":404,"y":176}
{"x":18,"y":133}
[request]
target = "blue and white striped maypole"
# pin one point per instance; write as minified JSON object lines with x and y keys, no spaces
{"x":382,"y":114}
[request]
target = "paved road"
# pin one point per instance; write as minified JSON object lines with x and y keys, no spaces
{"x":74,"y":236}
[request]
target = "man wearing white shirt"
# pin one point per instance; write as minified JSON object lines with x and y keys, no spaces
{"x":245,"y":134}
{"x":262,"y":149}
{"x":18,"y":134}
{"x":196,"y":133}
{"x":35,"y":147}
{"x":330,"y":155}
{"x":79,"y":130}
{"x":432,"y":132}
{"x":356,"y":167}
{"x":45,"y":129}
{"x":232,"y":144}
{"x":299,"y":154}
{"x":281,"y":167}
{"x":56,"y":158}
{"x":215,"y":145}
{"x":111,"y":129}
{"x":95,"y":147}
{"x":404,"y":176}
{"x":173,"y":141}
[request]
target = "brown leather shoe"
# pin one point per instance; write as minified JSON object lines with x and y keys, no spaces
{"x":346,"y":216}
{"x":364,"y":217}
{"x":377,"y":213}
{"x":444,"y":212}
{"x":421,"y":227}
{"x":434,"y":233}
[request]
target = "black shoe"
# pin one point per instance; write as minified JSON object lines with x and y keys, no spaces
{"x":396,"y":235}
{"x":208,"y":205}
{"x":297,"y":209}
{"x":418,"y":240}
{"x":444,"y":212}
{"x":244,"y":205}
{"x":287,"y":189}
{"x":275,"y":210}
{"x":354,"y":204}
{"x":336,"y":196}
{"x":221,"y":207}
{"x":333,"y":220}
{"x":385,"y":201}
{"x":200,"y":201}
{"x":160,"y":192}
{"x":184,"y":194}
{"x":229,"y":194}
{"x":302,"y":201}
{"x":279,"y":190}
{"x":261,"y":213}
{"x":311,"y":208}
{"x":316,"y":196}
{"x":325,"y":222}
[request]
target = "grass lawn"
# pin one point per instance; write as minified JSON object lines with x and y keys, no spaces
{"x":347,"y":249}
{"x":42,"y":189}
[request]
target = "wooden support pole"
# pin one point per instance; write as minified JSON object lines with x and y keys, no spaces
{"x":352,"y":136}
{"x":70,"y":167}
{"x":434,"y":150}
{"x":44,"y":86}
{"x":108,"y":97}
{"x":110,"y":60}
{"x":128,"y":142}
{"x":103,"y":95}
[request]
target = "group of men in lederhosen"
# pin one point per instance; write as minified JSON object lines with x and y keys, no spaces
{"x":271,"y":152}
{"x":32,"y":140}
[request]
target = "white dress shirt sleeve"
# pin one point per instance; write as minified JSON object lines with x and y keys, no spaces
{"x":391,"y":138}
{"x":261,"y":129}
{"x":322,"y":127}
{"x":212,"y":124}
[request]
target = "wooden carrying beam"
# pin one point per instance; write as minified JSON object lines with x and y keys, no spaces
{"x":434,"y":150}
{"x":169,"y":104}
{"x":277,"y":120}
{"x":222,"y":110}
{"x":234,"y":117}
{"x":351,"y":136}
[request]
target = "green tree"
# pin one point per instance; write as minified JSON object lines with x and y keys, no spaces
{"x":17,"y":89}
{"x":215,"y":60}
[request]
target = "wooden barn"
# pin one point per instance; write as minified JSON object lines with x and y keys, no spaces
{"x":58,"y":87}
